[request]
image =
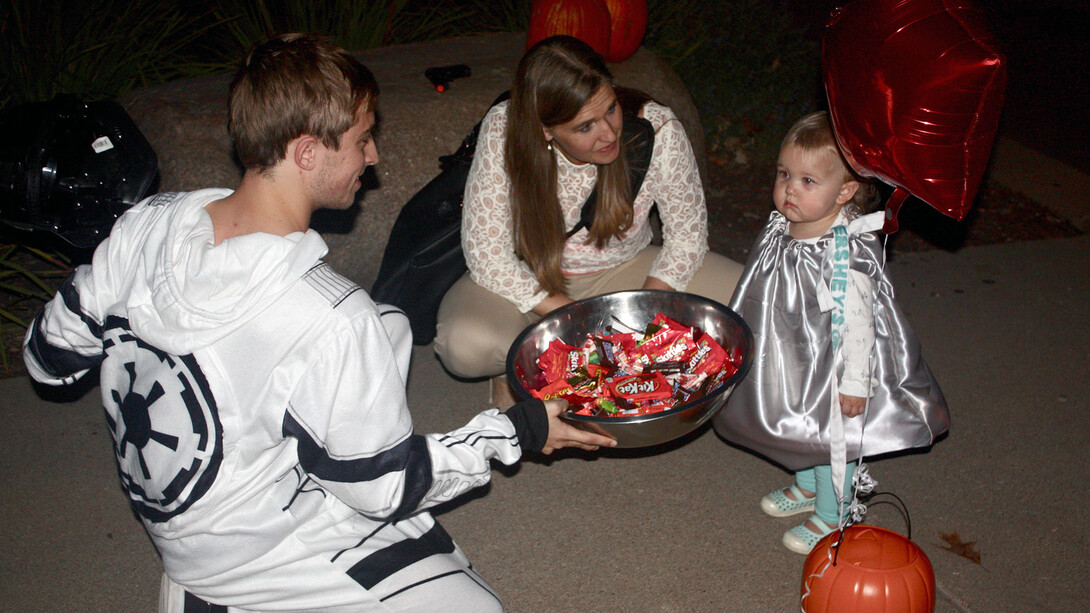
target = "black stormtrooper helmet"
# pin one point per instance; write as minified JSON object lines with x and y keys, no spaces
{"x":70,"y":168}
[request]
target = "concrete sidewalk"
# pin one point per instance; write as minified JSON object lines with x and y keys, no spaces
{"x":677,"y":528}
{"x":1059,"y":187}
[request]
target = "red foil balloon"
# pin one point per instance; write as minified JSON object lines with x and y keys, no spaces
{"x":915,"y":89}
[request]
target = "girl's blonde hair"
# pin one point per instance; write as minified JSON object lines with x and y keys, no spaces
{"x":814,"y":134}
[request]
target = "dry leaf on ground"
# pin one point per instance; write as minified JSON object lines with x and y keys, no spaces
{"x":963,"y":549}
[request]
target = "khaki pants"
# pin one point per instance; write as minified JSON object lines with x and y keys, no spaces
{"x":476,"y":327}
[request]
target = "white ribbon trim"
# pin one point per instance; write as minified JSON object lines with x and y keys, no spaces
{"x":838,"y":283}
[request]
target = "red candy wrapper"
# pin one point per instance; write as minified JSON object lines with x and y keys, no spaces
{"x":708,"y":358}
{"x":636,"y":373}
{"x":555,"y":389}
{"x":639,"y":388}
{"x":556,"y":361}
{"x":662,"y":319}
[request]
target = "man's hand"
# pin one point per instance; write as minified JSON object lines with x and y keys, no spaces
{"x":563,"y":434}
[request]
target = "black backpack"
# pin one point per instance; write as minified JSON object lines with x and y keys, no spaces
{"x":423,"y":257}
{"x":70,"y":167}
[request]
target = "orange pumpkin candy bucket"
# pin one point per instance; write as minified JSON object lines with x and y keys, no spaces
{"x":876,"y":571}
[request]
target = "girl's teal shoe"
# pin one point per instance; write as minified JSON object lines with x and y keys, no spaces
{"x":778,"y":504}
{"x":802,"y":539}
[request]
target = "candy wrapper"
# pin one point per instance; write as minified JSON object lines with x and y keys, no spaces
{"x":558,"y":360}
{"x":634,"y":373}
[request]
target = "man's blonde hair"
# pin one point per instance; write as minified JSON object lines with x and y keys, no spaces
{"x":291,"y":85}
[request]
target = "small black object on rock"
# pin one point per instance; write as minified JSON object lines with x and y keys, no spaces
{"x":441,"y":76}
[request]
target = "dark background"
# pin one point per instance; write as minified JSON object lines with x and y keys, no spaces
{"x":1046,"y":108}
{"x":1047,"y":103}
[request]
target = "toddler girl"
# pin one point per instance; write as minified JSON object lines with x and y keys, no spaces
{"x":829,"y":339}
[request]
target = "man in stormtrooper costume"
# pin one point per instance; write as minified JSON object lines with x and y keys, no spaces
{"x":256,"y":398}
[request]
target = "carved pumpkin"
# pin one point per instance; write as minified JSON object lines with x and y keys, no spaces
{"x":587,"y":20}
{"x":628,"y":23}
{"x":876,"y":571}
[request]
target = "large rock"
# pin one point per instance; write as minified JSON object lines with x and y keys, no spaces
{"x":185,"y":121}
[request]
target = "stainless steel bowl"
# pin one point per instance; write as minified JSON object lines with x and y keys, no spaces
{"x":625,"y":310}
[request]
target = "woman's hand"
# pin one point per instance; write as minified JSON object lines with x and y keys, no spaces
{"x":656,"y":283}
{"x":562,"y":434}
{"x":550,"y":303}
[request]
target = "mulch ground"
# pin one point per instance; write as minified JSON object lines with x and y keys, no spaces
{"x":739,"y":201}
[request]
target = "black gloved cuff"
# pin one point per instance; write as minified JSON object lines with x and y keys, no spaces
{"x":531,"y":423}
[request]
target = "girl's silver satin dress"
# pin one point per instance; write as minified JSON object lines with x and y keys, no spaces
{"x":781,"y":409}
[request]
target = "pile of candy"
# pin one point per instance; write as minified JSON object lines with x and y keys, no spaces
{"x":620,"y":374}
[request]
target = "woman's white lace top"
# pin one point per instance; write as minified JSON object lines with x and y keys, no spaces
{"x":672,"y":181}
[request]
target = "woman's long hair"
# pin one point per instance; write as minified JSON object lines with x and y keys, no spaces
{"x":555,"y":79}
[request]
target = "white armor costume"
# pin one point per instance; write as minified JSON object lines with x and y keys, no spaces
{"x":264,"y":437}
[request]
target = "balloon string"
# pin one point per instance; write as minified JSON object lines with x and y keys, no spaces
{"x":807,"y":585}
{"x":862,"y":482}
